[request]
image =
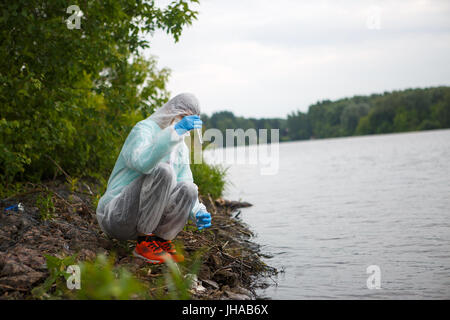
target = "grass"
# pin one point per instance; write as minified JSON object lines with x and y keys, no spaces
{"x":46,"y":206}
{"x":101,"y":279}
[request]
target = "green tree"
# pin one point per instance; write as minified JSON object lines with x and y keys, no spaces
{"x":398,"y":111}
{"x":298,"y":126}
{"x":72,"y":95}
{"x":440,"y":111}
{"x":351,"y":115}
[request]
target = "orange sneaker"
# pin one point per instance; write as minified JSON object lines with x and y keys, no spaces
{"x":169,"y":247}
{"x":148,"y":249}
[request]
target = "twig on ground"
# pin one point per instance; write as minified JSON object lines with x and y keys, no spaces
{"x":59,"y":167}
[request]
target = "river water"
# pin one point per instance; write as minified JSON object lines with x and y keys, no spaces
{"x":337,"y":206}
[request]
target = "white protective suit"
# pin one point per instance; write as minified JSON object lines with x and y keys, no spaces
{"x":151,"y":187}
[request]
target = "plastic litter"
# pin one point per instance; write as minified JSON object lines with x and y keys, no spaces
{"x":15,"y":207}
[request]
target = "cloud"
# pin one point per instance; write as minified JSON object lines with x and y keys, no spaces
{"x":267,"y":58}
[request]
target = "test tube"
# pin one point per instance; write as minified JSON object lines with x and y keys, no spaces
{"x":199,"y":135}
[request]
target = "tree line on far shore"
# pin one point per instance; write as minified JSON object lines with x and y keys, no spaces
{"x":397,"y":111}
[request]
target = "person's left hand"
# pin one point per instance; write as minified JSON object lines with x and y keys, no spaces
{"x":188,"y":123}
{"x":203,"y":220}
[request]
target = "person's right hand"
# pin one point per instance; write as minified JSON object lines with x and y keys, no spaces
{"x":188,"y":123}
{"x":203,"y":220}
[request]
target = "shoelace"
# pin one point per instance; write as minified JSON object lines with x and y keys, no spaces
{"x":153,"y":245}
{"x":167,"y":245}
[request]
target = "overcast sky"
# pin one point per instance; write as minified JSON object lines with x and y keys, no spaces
{"x":266,"y":58}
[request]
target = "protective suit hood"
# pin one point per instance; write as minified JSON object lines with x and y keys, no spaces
{"x":180,"y":105}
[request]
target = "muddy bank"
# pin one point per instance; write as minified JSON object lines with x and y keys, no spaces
{"x":59,"y":220}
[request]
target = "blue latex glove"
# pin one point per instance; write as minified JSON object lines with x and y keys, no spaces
{"x":188,"y":123}
{"x":203,"y":220}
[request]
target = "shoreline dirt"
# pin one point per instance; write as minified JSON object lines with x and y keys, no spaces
{"x":231,"y":263}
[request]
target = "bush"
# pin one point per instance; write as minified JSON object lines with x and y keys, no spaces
{"x":99,"y":280}
{"x":54,"y":287}
{"x":102,"y":281}
{"x":210,"y":179}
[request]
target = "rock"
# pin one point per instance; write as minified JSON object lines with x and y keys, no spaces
{"x":205,"y":272}
{"x":29,"y":257}
{"x":217,"y":262}
{"x":196,"y":285}
{"x":199,"y":288}
{"x":16,"y":274}
{"x":237,"y":204}
{"x":237,"y":296}
{"x":211,"y":283}
{"x":10,"y":225}
{"x":232,"y":204}
{"x":5,"y":240}
{"x":226,"y":277}
{"x":23,"y":281}
{"x":243,"y":291}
